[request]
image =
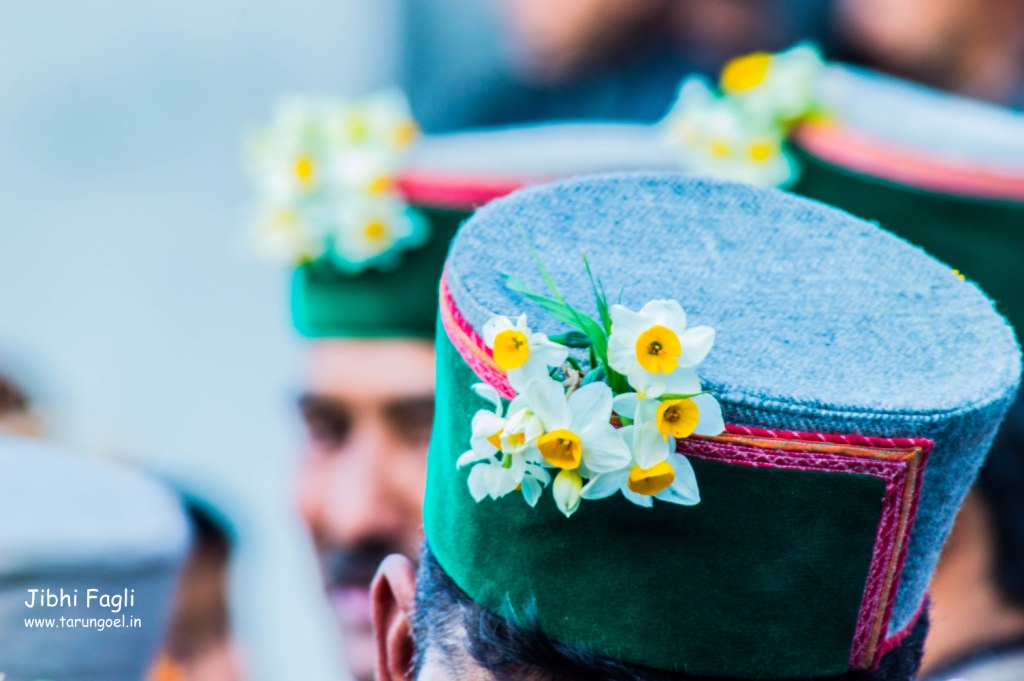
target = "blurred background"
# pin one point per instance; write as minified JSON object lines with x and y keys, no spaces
{"x":133,"y":315}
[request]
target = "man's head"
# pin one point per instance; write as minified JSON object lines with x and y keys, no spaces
{"x":368,"y":407}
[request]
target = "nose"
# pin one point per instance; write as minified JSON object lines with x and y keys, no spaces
{"x":361,"y":498}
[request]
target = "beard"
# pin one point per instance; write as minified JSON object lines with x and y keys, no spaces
{"x":348,"y":573}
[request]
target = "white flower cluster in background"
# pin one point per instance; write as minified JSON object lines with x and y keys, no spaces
{"x":560,"y":428}
{"x":325,"y":171}
{"x":739,"y":133}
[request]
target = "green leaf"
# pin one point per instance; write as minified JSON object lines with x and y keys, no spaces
{"x":599,"y":297}
{"x":680,"y":396}
{"x":561,"y":310}
{"x":594,"y":375}
{"x":573,"y":339}
{"x":619,"y":384}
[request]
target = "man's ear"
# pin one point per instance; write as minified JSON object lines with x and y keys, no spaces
{"x":393,"y":595}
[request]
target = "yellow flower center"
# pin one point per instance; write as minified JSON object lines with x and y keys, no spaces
{"x":650,"y":481}
{"x":495,"y":439}
{"x":720,"y":148}
{"x":677,"y":418}
{"x":379,"y":185}
{"x":760,"y":152}
{"x":745,"y":73}
{"x":687,"y":133}
{"x":513,"y":441}
{"x":657,"y":350}
{"x":375,"y":230}
{"x":304,"y":170}
{"x":285,"y":221}
{"x":405,"y":133}
{"x":511,"y":349}
{"x":561,"y":448}
{"x":357,"y":129}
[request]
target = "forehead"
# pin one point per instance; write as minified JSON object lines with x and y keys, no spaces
{"x":370,"y":369}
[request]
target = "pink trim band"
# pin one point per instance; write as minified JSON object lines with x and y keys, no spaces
{"x":899,"y":462}
{"x":870,"y":156}
{"x":454,"y":191}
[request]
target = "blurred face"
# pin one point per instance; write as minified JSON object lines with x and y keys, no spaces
{"x":368,"y":410}
{"x":912,"y":35}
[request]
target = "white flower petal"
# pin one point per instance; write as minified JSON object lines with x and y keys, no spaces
{"x":494,"y":326}
{"x":667,"y":313}
{"x":649,"y":445}
{"x":477,"y":482}
{"x":499,"y":481}
{"x":695,"y":344}
{"x":709,"y":413}
{"x":604,"y":450}
{"x":532,"y":490}
{"x":604,"y":485}
{"x":566,"y":491}
{"x":487,"y":423}
{"x":553,"y":354}
{"x":546,"y":398}
{"x":471,"y":456}
{"x":645,"y":382}
{"x":590,"y":405}
{"x":539,"y":473}
{"x":638,"y":499}
{"x":625,"y":405}
{"x":622,"y":358}
{"x":532,"y":370}
{"x":680,"y":382}
{"x":489,"y":393}
{"x":625,"y":322}
{"x":683,"y":489}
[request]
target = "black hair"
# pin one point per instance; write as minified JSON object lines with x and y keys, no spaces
{"x":448,"y":623}
{"x":1001,"y":488}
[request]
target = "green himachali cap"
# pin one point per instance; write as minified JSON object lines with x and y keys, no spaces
{"x":729,"y":442}
{"x":365,"y":208}
{"x":96,"y":548}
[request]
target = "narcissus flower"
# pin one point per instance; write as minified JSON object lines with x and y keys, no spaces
{"x":330,"y":165}
{"x":670,"y":480}
{"x":287,"y":159}
{"x":655,"y":350}
{"x":522,"y":354}
{"x":382,"y":120}
{"x":373,"y":232}
{"x":282,"y":234}
{"x":659,"y":423}
{"x":578,"y":434}
{"x":503,"y":451}
{"x":718,"y":137}
{"x":782,"y":87}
